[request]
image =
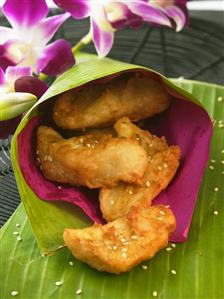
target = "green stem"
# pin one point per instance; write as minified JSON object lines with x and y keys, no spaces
{"x":42,"y":77}
{"x":82,"y":43}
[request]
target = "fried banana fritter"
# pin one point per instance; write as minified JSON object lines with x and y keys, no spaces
{"x":88,"y":160}
{"x":120,"y":245}
{"x":96,"y":106}
{"x":163,"y":161}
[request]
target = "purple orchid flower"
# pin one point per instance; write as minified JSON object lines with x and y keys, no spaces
{"x":176,"y":10}
{"x":18,"y":92}
{"x":106,"y":16}
{"x":24,"y":44}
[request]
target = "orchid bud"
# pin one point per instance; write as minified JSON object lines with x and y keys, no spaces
{"x":14,"y":104}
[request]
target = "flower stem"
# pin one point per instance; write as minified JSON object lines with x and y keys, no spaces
{"x":83,"y":42}
{"x":42,"y":76}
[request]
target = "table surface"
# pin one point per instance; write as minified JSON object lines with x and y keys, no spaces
{"x":194,"y":53}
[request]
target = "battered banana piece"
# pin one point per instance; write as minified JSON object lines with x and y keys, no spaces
{"x":88,"y":160}
{"x":163,"y":161}
{"x":120,"y":245}
{"x":101,"y":105}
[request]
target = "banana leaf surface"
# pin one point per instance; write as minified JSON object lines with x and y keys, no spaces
{"x":198,"y":263}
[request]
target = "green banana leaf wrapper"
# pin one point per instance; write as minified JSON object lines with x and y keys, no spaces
{"x":50,"y":209}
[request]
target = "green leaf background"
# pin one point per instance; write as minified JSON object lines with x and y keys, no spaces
{"x":199,"y":262}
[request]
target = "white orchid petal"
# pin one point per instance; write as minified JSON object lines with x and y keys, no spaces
{"x":12,"y":73}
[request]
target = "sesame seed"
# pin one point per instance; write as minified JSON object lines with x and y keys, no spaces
{"x":71,"y":263}
{"x":123,"y":240}
{"x":37,"y":152}
{"x":61,"y":246}
{"x":14,"y":293}
{"x":19,"y":239}
{"x":134,"y":237}
{"x":59,"y":187}
{"x":124,"y":249}
{"x":17,"y":225}
{"x":162,"y":213}
{"x":125,"y":243}
{"x":159,"y":167}
{"x":167,"y":206}
{"x":38,"y":159}
{"x":58,"y":283}
{"x":216,"y":189}
{"x":78,"y":292}
{"x":168,"y":249}
{"x":144,"y":267}
{"x":81,"y":140}
{"x":165,"y":165}
{"x":45,"y":158}
{"x":15,"y":233}
{"x":215,"y":212}
{"x":160,"y":218}
{"x":112,"y":202}
{"x":88,"y":145}
{"x":114,"y":247}
{"x":50,"y":159}
{"x":137,"y":138}
{"x":92,"y":146}
{"x":173,"y":272}
{"x":155,"y":294}
{"x":213,"y":161}
{"x":130,"y":192}
{"x":173,"y":245}
{"x":220,"y":99}
{"x":211,"y":167}
{"x":96,"y":141}
{"x":124,"y":254}
{"x":147,"y":184}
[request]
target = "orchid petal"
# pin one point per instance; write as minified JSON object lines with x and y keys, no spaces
{"x":5,"y":62}
{"x":6,"y":34}
{"x":56,"y":58}
{"x":12,"y":52}
{"x":31,"y":85}
{"x":99,"y":14}
{"x":50,"y":25}
{"x":14,"y":103}
{"x":178,"y":16}
{"x":2,"y":77}
{"x":25,"y":13}
{"x":103,"y":40}
{"x":12,"y":73}
{"x":79,"y":9}
{"x":148,"y":12}
{"x":132,"y":20}
{"x":6,"y":59}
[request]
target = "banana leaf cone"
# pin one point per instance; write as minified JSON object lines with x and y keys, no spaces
{"x":50,"y":209}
